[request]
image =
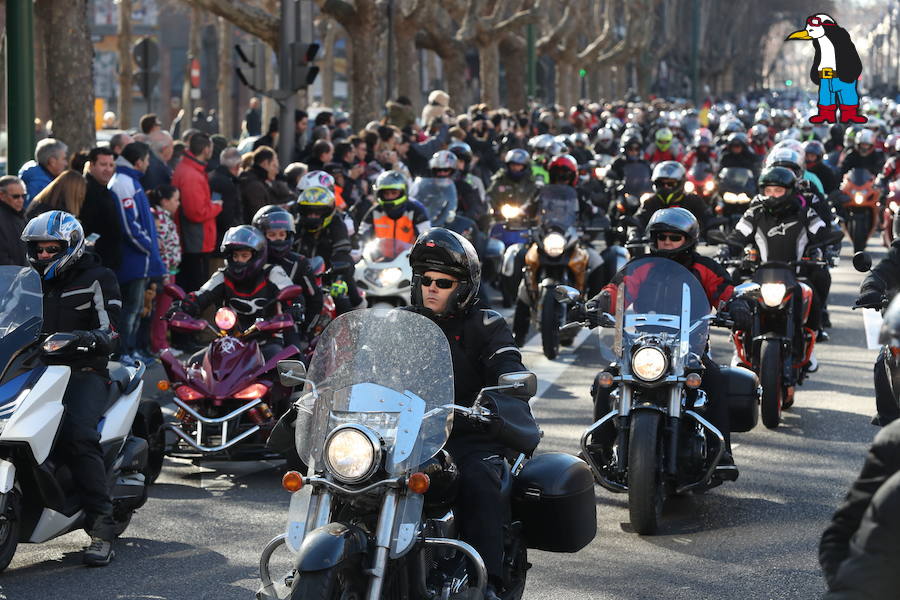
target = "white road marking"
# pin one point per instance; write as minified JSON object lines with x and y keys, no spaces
{"x":548,"y":371}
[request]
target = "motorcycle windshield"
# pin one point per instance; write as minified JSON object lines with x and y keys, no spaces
{"x":389,"y":371}
{"x":558,"y":206}
{"x":382,"y":250}
{"x":438,"y":196}
{"x":637,"y":178}
{"x":860,"y":177}
{"x":657,"y":300}
{"x":22,"y":297}
{"x":700,"y":171}
{"x":736,"y":178}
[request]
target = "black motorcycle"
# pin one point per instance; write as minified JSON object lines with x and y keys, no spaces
{"x":736,"y":187}
{"x":373,"y":517}
{"x":650,"y":438}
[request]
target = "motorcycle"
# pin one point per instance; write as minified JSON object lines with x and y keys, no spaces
{"x":701,"y":181}
{"x":438,"y":196}
{"x":860,"y":200}
{"x":737,"y":187}
{"x":489,"y":250}
{"x":38,"y":498}
{"x":511,"y":229}
{"x":384,"y":272}
{"x":652,"y":439}
{"x":227,"y":402}
{"x":891,"y":224}
{"x":373,"y":517}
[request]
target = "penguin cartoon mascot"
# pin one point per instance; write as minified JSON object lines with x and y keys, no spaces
{"x":835,"y":69}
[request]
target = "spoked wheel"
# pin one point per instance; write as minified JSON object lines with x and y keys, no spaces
{"x":521,"y":322}
{"x":551,"y":313}
{"x":771,"y":378}
{"x":9,"y":530}
{"x":646,"y":491}
{"x":344,"y":582}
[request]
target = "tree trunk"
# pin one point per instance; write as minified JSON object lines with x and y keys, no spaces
{"x":70,"y":69}
{"x":193,"y":52}
{"x":489,"y":73}
{"x":362,"y":81}
{"x":126,"y":68}
{"x":329,"y":36}
{"x":407,"y":68}
{"x":563,"y":83}
{"x":515,"y":57}
{"x":224,"y":83}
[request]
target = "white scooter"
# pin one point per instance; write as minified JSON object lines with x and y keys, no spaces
{"x":37,"y":497}
{"x":384,"y":273}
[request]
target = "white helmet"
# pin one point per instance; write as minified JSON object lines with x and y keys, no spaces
{"x":319,"y":179}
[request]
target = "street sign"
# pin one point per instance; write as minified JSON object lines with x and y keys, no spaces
{"x":146,"y":81}
{"x":146,"y":54}
{"x":195,"y":73}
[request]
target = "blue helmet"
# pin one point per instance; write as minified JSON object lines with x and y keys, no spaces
{"x":54,"y":226}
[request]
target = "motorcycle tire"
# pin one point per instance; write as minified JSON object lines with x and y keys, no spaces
{"x":550,"y":317}
{"x":521,"y":323}
{"x":9,"y":530}
{"x":771,"y":379}
{"x":346,"y":580}
{"x":646,"y":491}
{"x":507,"y":291}
{"x":153,"y":430}
{"x":859,"y":231}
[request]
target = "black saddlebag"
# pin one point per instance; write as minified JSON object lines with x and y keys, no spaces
{"x":742,"y":390}
{"x":553,"y":496}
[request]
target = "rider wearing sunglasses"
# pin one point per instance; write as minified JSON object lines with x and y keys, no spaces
{"x":668,"y":185}
{"x":446,"y":278}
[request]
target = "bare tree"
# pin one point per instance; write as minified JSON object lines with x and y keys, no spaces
{"x":224,"y":29}
{"x":249,"y":15}
{"x":192,"y":53}
{"x":328,"y":30}
{"x":407,"y":22}
{"x":126,"y":68}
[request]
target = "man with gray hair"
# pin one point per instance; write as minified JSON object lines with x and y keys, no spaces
{"x":50,"y":159}
{"x":161,"y":148}
{"x":119,"y":141}
{"x":12,"y":221}
{"x":223,"y":183}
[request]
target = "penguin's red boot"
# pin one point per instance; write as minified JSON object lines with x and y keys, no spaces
{"x":848,"y":114}
{"x":827,"y":114}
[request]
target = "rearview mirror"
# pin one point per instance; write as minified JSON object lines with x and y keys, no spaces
{"x":566,"y":294}
{"x":716,"y":236}
{"x":289,"y":293}
{"x":291,"y":373}
{"x":521,"y":384}
{"x":862,"y":261}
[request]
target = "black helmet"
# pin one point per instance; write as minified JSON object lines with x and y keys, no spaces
{"x":738,"y":138}
{"x":890,"y":325}
{"x":445,"y":251}
{"x":276,"y":218}
{"x":836,"y":131}
{"x":780,"y":176}
{"x":517,"y":156}
{"x":462,"y":150}
{"x":674,"y":220}
{"x":814,"y":147}
{"x":244,"y":237}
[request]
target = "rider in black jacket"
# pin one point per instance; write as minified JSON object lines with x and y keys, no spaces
{"x":80,"y":297}
{"x":482,"y":348}
{"x":668,"y":185}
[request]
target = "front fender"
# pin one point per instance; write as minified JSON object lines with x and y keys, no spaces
{"x":330,"y":545}
{"x":509,"y":259}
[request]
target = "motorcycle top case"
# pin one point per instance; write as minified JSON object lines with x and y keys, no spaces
{"x":553,"y":497}
{"x":743,"y":398}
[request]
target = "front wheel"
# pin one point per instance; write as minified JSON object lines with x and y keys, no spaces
{"x":343,"y":582}
{"x":771,"y":379}
{"x":551,"y":312}
{"x":646,"y":492}
{"x":155,"y":433}
{"x":9,"y":530}
{"x":859,"y":230}
{"x":521,"y":322}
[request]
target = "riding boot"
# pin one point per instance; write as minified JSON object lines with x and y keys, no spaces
{"x":849,"y":114}
{"x":827,"y":114}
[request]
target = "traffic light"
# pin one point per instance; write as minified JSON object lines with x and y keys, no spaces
{"x":789,"y":82}
{"x":303,"y":74}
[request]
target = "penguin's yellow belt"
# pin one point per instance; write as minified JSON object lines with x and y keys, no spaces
{"x":827,"y":74}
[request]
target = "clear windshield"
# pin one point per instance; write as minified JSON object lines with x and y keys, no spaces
{"x":700,"y":170}
{"x":438,"y":196}
{"x":22,"y":298}
{"x":637,"y":178}
{"x":384,"y":250}
{"x":860,"y":177}
{"x":388,"y":370}
{"x":736,"y":177}
{"x":658,"y":298}
{"x":558,"y":206}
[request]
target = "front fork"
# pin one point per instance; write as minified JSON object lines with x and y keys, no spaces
{"x":382,"y":544}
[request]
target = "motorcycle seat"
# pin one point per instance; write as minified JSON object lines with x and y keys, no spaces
{"x":119,"y":375}
{"x":506,"y":484}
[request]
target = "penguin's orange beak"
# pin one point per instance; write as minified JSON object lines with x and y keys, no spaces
{"x":799,"y":35}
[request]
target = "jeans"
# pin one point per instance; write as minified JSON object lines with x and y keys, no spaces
{"x":132,"y":305}
{"x":834,"y":91}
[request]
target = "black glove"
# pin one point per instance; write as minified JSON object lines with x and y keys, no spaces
{"x":740,"y":313}
{"x":296,"y":311}
{"x":872,"y":298}
{"x":188,"y":305}
{"x":86,"y":339}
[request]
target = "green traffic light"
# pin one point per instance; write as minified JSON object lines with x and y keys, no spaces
{"x":789,"y":82}
{"x":582,"y":73}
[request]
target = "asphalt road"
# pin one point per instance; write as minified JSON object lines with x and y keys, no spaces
{"x":200,"y":534}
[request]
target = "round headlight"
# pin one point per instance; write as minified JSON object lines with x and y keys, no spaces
{"x":689,"y":187}
{"x":858,"y":198}
{"x":225,"y":318}
{"x":390,"y":276}
{"x":351,"y":454}
{"x":648,"y":363}
{"x":510,"y":212}
{"x":554,"y":244}
{"x":709,"y":186}
{"x":772,"y":293}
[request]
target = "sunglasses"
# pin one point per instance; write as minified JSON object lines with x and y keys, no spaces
{"x":444,"y":284}
{"x":17,"y":195}
{"x":669,"y":237}
{"x":50,"y":250}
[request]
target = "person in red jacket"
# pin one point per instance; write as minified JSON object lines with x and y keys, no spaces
{"x":197,"y":217}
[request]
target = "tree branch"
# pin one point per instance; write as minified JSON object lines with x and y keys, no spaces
{"x":250,"y":18}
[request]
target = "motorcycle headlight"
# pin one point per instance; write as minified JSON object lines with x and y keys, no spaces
{"x":352,"y":453}
{"x":225,"y":318}
{"x":689,"y":187}
{"x":649,"y":363}
{"x":510,"y":212}
{"x":390,"y":276}
{"x":554,"y":244}
{"x":709,"y":186}
{"x":742,"y":197}
{"x":772,"y":293}
{"x":730,"y":197}
{"x":893,"y":206}
{"x":858,"y":198}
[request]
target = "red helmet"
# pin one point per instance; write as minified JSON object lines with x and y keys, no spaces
{"x":563,"y":169}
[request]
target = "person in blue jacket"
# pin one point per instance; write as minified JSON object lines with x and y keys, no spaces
{"x":140,"y":248}
{"x":50,"y":159}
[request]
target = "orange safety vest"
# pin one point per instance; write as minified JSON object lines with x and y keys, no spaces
{"x":402,"y":229}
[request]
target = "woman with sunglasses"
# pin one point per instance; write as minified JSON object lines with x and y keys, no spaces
{"x":446,"y":278}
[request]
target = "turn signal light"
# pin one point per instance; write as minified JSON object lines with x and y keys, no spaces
{"x":693,"y":381}
{"x":418,"y":483}
{"x":162,"y":385}
{"x":252,"y":392}
{"x":186,"y":392}
{"x":605,"y":379}
{"x":292,"y":481}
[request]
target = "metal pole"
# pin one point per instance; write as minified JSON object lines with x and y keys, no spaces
{"x":390,"y":52}
{"x":285,"y":63}
{"x":695,"y":53}
{"x":19,"y":82}
{"x":532,"y":61}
